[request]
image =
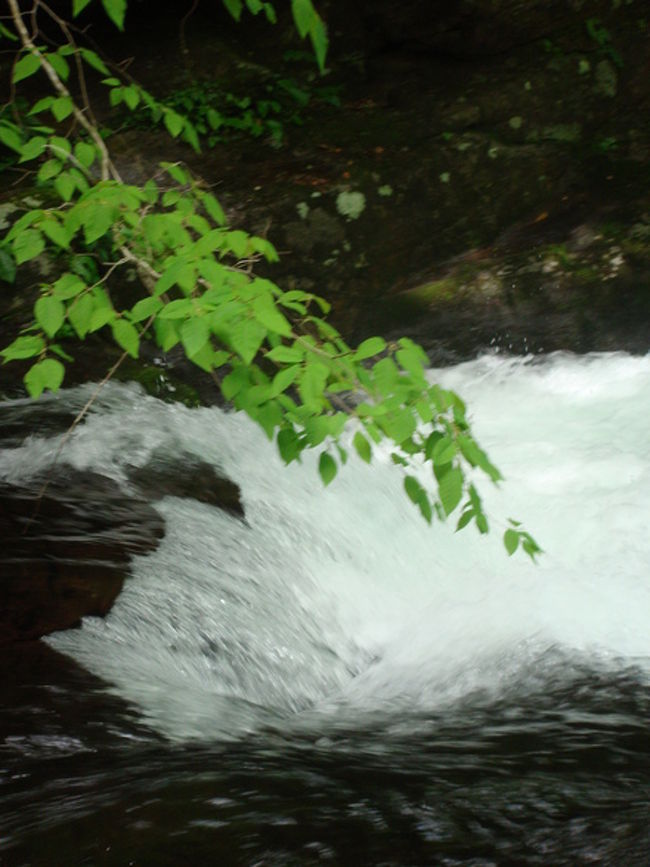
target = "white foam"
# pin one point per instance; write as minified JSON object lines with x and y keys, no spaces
{"x":341,"y":601}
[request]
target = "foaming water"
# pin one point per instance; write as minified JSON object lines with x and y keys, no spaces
{"x":330,"y":607}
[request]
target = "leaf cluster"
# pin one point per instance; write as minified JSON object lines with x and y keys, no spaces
{"x":273,"y":352}
{"x":215,"y":112}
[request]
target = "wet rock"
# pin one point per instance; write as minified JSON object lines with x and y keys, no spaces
{"x":552,"y":285}
{"x":66,"y":551}
{"x":472,"y":28}
{"x":317,"y":228}
{"x":185,"y":475}
{"x":52,"y":707}
{"x":48,"y":416}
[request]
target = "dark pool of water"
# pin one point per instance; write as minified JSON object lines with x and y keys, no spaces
{"x":558,"y":777}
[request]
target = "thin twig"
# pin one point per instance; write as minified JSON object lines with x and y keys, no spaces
{"x":184,"y":20}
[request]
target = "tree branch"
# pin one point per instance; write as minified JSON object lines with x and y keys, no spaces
{"x":108,"y":170}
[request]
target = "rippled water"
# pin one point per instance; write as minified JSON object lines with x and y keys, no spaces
{"x":333,"y":682}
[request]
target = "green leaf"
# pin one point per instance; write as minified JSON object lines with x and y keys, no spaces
{"x":85,"y":153}
{"x":23,"y":347}
{"x":511,"y":541}
{"x":469,"y":449}
{"x":41,"y":105}
{"x":98,"y":220}
{"x":326,"y":468}
{"x":424,"y":506}
{"x":101,"y":317}
{"x":312,"y":383}
{"x":194,"y":335}
{"x":399,"y":426}
{"x":115,"y":96}
{"x":44,"y":374}
{"x":204,"y":358}
{"x":450,"y":489}
{"x":65,"y":186}
{"x":286,"y":354}
{"x":131,"y":96}
{"x":288,"y":445}
{"x":166,"y":334}
{"x":50,"y":169}
{"x":27,"y":245}
{"x":62,"y":108}
{"x":363,"y":447}
{"x":80,"y":314}
{"x":32,"y":149}
{"x":68,"y":286}
{"x":409,"y":360}
{"x":93,"y":59}
{"x":58,"y":350}
{"x":413,"y":488}
{"x":245,"y":338}
{"x":115,"y":9}
{"x":49,"y":313}
{"x":234,"y":7}
{"x":58,"y":143}
{"x":78,"y":6}
{"x":214,"y":209}
{"x":174,"y":122}
{"x":60,"y":65}
{"x":303,"y":15}
{"x":126,"y":336}
{"x":7,"y":33}
{"x":7,"y":266}
{"x":145,"y":308}
{"x":234,"y":382}
{"x":371,"y":346}
{"x":481,"y":523}
{"x":444,"y":451}
{"x":215,"y":118}
{"x":177,"y":173}
{"x":191,"y":136}
{"x":464,"y":519}
{"x":151,"y":191}
{"x":268,"y":315}
{"x":319,"y":41}
{"x":56,"y":233}
{"x":530,"y":546}
{"x":10,"y":137}
{"x":283,"y":379}
{"x":238,"y":243}
{"x":180,"y":308}
{"x":317,"y":429}
{"x":386,"y":376}
{"x":25,"y":67}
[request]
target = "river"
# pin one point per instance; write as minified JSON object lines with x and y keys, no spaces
{"x":331,"y":681}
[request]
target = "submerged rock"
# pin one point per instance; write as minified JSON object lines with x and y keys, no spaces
{"x":66,"y":552}
{"x":185,"y":475}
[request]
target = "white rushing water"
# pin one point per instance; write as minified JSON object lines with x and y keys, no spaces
{"x":333,"y":604}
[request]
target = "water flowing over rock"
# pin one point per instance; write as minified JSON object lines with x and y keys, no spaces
{"x":69,"y":534}
{"x":66,"y":553}
{"x":186,"y":476}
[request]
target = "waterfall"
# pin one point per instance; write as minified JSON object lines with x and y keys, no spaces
{"x":329,"y":607}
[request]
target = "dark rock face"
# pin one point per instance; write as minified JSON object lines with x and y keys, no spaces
{"x":66,"y":554}
{"x":464,"y":29}
{"x":186,"y":476}
{"x":52,"y":707}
